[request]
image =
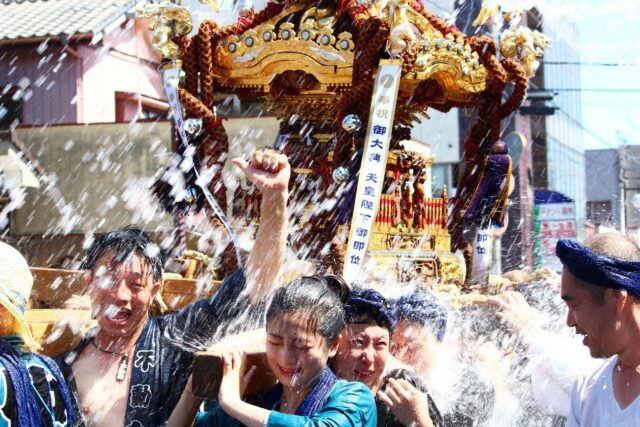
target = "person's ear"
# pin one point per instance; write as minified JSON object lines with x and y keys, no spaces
{"x":155,"y":289}
{"x":334,"y":347}
{"x":619,"y":298}
{"x":333,"y":350}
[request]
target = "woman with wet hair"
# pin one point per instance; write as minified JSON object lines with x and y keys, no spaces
{"x":304,"y":320}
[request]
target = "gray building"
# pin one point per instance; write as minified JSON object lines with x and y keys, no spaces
{"x":558,"y":153}
{"x":630,"y":178}
{"x":603,"y":187}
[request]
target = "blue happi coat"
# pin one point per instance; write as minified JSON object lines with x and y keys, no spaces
{"x":32,"y":390}
{"x":332,"y":402}
{"x":163,"y":356}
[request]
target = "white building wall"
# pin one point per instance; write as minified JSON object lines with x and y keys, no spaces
{"x":565,"y":136}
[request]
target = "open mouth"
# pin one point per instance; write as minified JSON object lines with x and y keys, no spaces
{"x":363,"y":375}
{"x":288,"y":373}
{"x":117,"y":316}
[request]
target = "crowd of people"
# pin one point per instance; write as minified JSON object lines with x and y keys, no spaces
{"x":342,"y":356}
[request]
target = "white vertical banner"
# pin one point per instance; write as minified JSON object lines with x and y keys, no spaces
{"x":482,"y":254}
{"x":373,"y":166}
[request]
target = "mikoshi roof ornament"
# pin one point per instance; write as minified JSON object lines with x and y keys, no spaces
{"x":314,"y":63}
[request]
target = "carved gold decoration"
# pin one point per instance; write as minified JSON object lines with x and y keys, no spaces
{"x":306,"y":107}
{"x":309,"y":45}
{"x":450,"y":269}
{"x":253,"y":58}
{"x":452,"y":64}
{"x":396,"y":246}
{"x":487,"y":14}
{"x":403,"y":32}
{"x":213,"y":4}
{"x":422,"y":270}
{"x":170,"y":19}
{"x":524,"y":45}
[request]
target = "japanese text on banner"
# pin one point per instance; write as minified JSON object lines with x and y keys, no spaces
{"x":372,"y":168}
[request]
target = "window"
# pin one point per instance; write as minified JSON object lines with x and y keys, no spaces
{"x":10,"y":107}
{"x":599,"y":212}
{"x":132,"y":106}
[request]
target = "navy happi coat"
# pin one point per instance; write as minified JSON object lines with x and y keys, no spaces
{"x":163,"y":355}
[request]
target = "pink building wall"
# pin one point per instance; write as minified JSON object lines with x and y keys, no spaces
{"x":79,"y":85}
{"x":51,"y":77}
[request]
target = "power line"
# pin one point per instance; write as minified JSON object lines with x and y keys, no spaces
{"x":589,"y":131}
{"x":592,"y":64}
{"x":577,"y":89}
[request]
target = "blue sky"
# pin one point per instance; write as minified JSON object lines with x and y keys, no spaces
{"x":609,"y":33}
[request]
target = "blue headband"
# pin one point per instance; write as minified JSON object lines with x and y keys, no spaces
{"x":419,"y":308}
{"x":370,"y":303}
{"x":598,"y":269}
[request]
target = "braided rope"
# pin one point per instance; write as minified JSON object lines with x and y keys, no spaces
{"x":189,"y":63}
{"x":521,"y":83}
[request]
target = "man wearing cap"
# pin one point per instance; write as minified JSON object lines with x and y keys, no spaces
{"x":133,"y":369}
{"x":601,"y":287}
{"x":32,"y":389}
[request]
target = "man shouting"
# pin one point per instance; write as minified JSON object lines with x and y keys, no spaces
{"x":133,"y":369}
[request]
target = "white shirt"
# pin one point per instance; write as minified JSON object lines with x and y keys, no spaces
{"x":556,"y":362}
{"x":593,"y":403}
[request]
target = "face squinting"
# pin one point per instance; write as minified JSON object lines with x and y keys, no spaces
{"x":295,"y":352}
{"x":362,"y":354}
{"x":414,"y":345}
{"x":121,"y":293}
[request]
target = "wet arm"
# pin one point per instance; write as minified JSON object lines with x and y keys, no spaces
{"x":270,"y":172}
{"x":186,"y":409}
{"x":267,"y":256}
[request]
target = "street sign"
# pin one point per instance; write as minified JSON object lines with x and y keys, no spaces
{"x":552,"y":221}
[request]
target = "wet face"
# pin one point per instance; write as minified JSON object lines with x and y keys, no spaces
{"x":121,"y":293}
{"x":295,"y":352}
{"x":594,"y":319}
{"x":414,"y":345}
{"x":363,"y":350}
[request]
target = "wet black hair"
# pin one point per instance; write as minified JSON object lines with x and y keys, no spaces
{"x":386,"y":417}
{"x":124,"y":243}
{"x":322,"y":296}
{"x":423,"y":309}
{"x":369,"y":306}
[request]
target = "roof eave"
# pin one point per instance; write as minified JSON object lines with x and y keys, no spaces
{"x":31,"y":40}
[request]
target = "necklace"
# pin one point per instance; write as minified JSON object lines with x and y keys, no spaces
{"x":626,"y":376}
{"x":124,"y":363}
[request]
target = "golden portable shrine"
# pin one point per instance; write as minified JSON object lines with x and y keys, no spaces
{"x":314,"y":64}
